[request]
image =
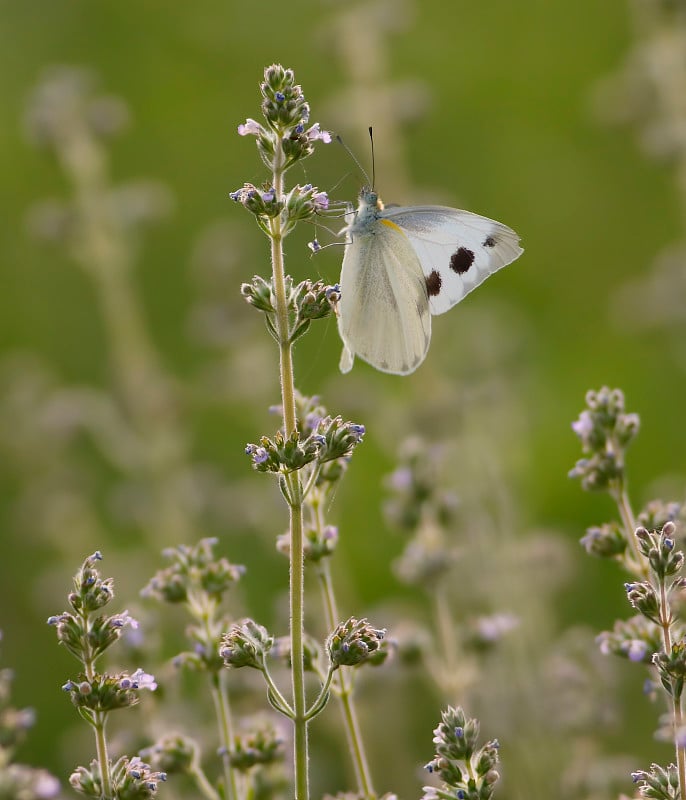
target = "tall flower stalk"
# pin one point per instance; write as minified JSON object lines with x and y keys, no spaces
{"x":296,"y":454}
{"x":645,"y":545}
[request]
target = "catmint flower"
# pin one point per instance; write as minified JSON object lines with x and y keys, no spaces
{"x":340,"y":438}
{"x":103,"y":693}
{"x":172,"y":754}
{"x":352,"y":642}
{"x":658,"y":547}
{"x":656,"y":513}
{"x":246,"y":645}
{"x":250,"y":128}
{"x":192,"y":570}
{"x":626,"y":636}
{"x":605,"y":430}
{"x":262,"y":746}
{"x":314,"y":246}
{"x":659,"y":782}
{"x":314,"y":133}
{"x":133,"y":778}
{"x":283,"y":140}
{"x":606,"y":541}
{"x":636,"y":650}
{"x":671,"y":668}
{"x":466,"y":770}
{"x":27,"y":783}
{"x":486,"y":631}
{"x":283,"y":455}
{"x":643,"y":598}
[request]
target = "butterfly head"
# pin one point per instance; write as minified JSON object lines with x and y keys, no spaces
{"x":370,"y":199}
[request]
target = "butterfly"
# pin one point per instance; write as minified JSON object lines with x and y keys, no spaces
{"x":401,"y":265}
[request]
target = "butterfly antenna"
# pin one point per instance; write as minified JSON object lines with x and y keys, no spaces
{"x":352,"y":155}
{"x":371,"y":139}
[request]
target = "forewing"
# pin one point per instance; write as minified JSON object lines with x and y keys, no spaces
{"x":457,"y":250}
{"x":384,"y":311}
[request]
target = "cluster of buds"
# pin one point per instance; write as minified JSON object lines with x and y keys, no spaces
{"x":132,"y":779}
{"x":301,"y":202}
{"x":284,"y":139}
{"x":174,"y":754}
{"x":103,"y":693}
{"x":306,"y":301}
{"x":354,"y":642}
{"x":246,"y":645}
{"x":332,"y":439}
{"x":658,"y":783}
{"x":193,"y":569}
{"x":262,"y":746}
{"x":605,"y":431}
{"x":87,"y":635}
{"x":636,"y":639}
{"x":414,"y":488}
{"x":467,"y":771}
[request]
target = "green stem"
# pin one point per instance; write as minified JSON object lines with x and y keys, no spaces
{"x":621,"y":497}
{"x":677,"y":715}
{"x":223,"y":711}
{"x":345,"y":692}
{"x":103,"y":757}
{"x":450,"y":679}
{"x":201,"y":781}
{"x":297,"y":608}
{"x":278,"y":700}
{"x":99,"y":719}
{"x":297,"y":564}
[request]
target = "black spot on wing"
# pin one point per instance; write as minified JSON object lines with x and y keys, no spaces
{"x":433,"y":283}
{"x":489,"y":241}
{"x":461,"y":260}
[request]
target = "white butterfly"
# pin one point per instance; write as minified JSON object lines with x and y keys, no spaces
{"x":403,"y":264}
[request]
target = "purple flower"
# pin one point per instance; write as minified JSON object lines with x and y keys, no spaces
{"x":122,"y":620}
{"x":143,"y":680}
{"x":260,"y":455}
{"x":314,"y":133}
{"x":314,"y":246}
{"x":250,"y":128}
{"x":635,"y":649}
{"x":320,"y":200}
{"x":583,"y":426}
{"x":269,"y":195}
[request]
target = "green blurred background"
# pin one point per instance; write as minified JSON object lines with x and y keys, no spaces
{"x":496,"y":107}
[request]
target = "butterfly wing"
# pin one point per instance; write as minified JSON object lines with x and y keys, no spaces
{"x":457,"y":250}
{"x":384,"y":308}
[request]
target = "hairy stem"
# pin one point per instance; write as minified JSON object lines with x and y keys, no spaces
{"x":297,"y":566}
{"x":344,"y":684}
{"x":223,"y":711}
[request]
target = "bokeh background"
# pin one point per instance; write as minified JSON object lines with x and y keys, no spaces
{"x":565,"y":121}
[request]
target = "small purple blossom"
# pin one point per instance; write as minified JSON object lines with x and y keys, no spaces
{"x":279,"y":97}
{"x":122,"y":620}
{"x":583,"y":426}
{"x":269,"y":195}
{"x":260,"y":455}
{"x":320,"y":200}
{"x":314,"y":133}
{"x":143,"y":680}
{"x":357,"y":430}
{"x":635,"y":649}
{"x":250,"y":128}
{"x":314,"y":246}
